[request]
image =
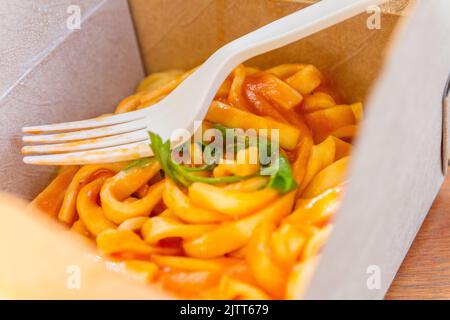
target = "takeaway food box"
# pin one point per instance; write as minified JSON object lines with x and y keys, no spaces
{"x":398,"y":65}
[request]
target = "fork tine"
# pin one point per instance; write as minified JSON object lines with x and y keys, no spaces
{"x":87,"y":134}
{"x":101,"y":121}
{"x":121,"y":139}
{"x":106,"y":155}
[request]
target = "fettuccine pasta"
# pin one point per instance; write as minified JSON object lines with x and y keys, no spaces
{"x":228,"y":233}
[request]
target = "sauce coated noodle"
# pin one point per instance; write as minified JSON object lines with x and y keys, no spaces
{"x":239,"y":240}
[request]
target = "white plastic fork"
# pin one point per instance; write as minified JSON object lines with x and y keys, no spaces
{"x":125,"y":136}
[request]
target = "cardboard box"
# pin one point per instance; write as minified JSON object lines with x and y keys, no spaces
{"x":400,"y":159}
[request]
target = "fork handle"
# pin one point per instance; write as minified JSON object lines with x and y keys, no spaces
{"x":293,"y":27}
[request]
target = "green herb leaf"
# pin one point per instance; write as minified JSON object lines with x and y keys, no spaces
{"x":206,"y":167}
{"x":281,"y":178}
{"x":161,"y":151}
{"x":211,"y":180}
{"x":139,"y":163}
{"x":179,"y":173}
{"x":281,"y":174}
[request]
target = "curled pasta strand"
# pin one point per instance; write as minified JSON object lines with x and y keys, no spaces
{"x":300,"y":277}
{"x":152,"y":89}
{"x":168,"y":214}
{"x":306,"y":79}
{"x":127,"y":182}
{"x":316,"y":101}
{"x":329,"y":177}
{"x":224,"y":89}
{"x":235,"y":97}
{"x":232,"y":117}
{"x":325,"y":122}
{"x":275,"y":251}
{"x":123,"y":243}
{"x":230,"y":202}
{"x":278,"y":92}
{"x":202,"y":278}
{"x":357,"y":109}
{"x":237,"y":233}
{"x":189,"y":284}
{"x":68,"y":213}
{"x":345,"y":133}
{"x":289,"y":241}
{"x":133,"y":224}
{"x":245,"y":164}
{"x":149,"y":97}
{"x":130,"y":103}
{"x":269,"y":96}
{"x":233,"y":289}
{"x":322,"y":155}
{"x":251,"y":70}
{"x":116,"y":192}
{"x":343,"y":149}
{"x":88,"y":209}
{"x":158,"y":79}
{"x":318,"y":210}
{"x":271,"y":276}
{"x":316,"y":243}
{"x":119,"y":211}
{"x":284,"y":71}
{"x":231,"y":89}
{"x":248,"y":185}
{"x":159,"y":228}
{"x":303,"y":154}
{"x":51,"y":198}
{"x":180,"y":205}
{"x":151,"y":102}
{"x":259,"y":104}
{"x":239,"y":253}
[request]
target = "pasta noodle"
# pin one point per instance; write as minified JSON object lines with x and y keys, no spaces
{"x":222,"y":230}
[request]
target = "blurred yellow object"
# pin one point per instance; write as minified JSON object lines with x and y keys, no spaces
{"x":32,"y":242}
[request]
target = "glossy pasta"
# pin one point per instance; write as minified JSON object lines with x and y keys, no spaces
{"x":236,"y":240}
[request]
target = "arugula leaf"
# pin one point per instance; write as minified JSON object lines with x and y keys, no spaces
{"x":281,"y":178}
{"x":179,"y":173}
{"x":161,"y":151}
{"x":139,"y":163}
{"x":211,"y":180}
{"x":206,"y":167}
{"x":281,"y":174}
{"x":221,"y":128}
{"x":247,"y":142}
